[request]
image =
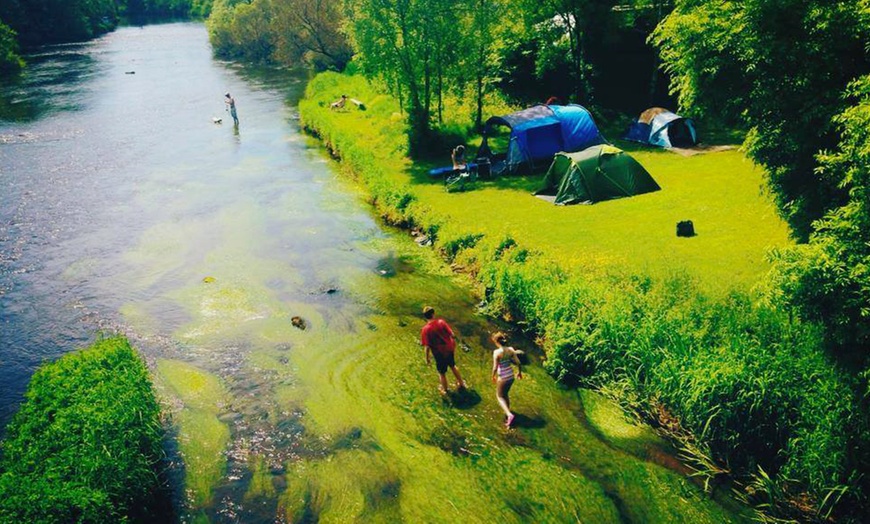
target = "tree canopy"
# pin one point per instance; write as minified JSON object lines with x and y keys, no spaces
{"x":289,"y":32}
{"x":38,"y":22}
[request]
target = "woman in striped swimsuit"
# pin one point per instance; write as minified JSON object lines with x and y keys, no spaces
{"x":503,"y":359}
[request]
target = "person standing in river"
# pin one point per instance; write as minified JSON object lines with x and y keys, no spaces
{"x":503,"y":359}
{"x":231,"y":106}
{"x":438,"y":339}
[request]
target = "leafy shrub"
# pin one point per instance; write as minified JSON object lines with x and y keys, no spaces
{"x":10,"y":61}
{"x":85,"y":444}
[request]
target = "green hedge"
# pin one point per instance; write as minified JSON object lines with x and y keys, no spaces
{"x":86,"y":443}
{"x":749,"y":386}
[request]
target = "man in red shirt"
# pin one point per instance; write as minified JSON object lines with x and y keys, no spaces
{"x":438,"y":339}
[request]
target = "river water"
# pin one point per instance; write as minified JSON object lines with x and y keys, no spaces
{"x":278,"y":317}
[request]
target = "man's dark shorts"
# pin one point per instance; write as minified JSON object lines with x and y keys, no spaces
{"x":442,"y":362}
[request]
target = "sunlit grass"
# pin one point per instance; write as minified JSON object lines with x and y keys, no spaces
{"x":721,"y":192}
{"x":609,"y":421}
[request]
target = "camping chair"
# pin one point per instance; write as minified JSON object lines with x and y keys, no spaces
{"x":457,"y":179}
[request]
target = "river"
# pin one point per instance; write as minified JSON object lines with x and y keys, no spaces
{"x":279,"y":318}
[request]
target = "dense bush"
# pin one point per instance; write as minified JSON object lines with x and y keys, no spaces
{"x":828,"y":279}
{"x":40,"y":22}
{"x":751,"y":384}
{"x":85,"y":445}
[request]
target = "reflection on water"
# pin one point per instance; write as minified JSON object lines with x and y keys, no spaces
{"x":55,"y":80}
{"x":126,"y":208}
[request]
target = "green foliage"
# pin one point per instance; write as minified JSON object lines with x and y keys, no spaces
{"x":198,"y":8}
{"x":409,"y":45}
{"x":290,"y":32}
{"x":567,"y":29}
{"x":10,"y":62}
{"x":52,"y":21}
{"x":242,"y":30}
{"x":782,"y":66}
{"x":753,"y":386}
{"x":750,"y":382}
{"x":828,"y":280}
{"x":201,"y":8}
{"x":85,"y":445}
{"x":309,"y":32}
{"x":38,"y":22}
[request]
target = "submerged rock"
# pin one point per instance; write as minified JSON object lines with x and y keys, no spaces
{"x":230,"y":417}
{"x":299,"y":322}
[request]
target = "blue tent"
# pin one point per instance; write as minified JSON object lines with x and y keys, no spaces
{"x":659,"y":127}
{"x":538,"y":133}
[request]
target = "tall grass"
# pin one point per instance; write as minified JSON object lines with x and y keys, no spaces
{"x":748,"y":388}
{"x":85,"y":445}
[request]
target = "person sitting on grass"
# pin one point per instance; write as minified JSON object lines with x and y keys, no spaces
{"x":339,"y":104}
{"x":458,"y":157}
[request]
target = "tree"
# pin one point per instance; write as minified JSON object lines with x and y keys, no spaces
{"x":241,"y":30}
{"x":308,"y":31}
{"x":486,"y":47}
{"x":565,"y":30}
{"x":252,"y":30}
{"x":10,"y":61}
{"x":40,"y":22}
{"x":780,"y":67}
{"x":402,"y":43}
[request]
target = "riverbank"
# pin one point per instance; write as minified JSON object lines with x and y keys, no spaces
{"x":678,"y":329}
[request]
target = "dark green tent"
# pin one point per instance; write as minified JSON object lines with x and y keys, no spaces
{"x":597,"y":173}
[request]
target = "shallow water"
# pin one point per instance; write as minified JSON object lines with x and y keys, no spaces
{"x":125,"y":208}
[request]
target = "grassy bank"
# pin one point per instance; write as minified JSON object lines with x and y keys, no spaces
{"x":678,"y":328}
{"x":85,"y":445}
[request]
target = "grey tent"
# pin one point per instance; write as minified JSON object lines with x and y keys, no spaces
{"x":659,"y":127}
{"x":601,"y":172}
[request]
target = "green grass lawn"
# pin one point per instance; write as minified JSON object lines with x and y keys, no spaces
{"x":720,"y":192}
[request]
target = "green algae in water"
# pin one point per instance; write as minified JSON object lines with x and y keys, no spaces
{"x":230,"y":310}
{"x":202,"y":438}
{"x":375,"y":442}
{"x":349,"y":486}
{"x":260,"y":486}
{"x":139,"y":318}
{"x":403,"y":428}
{"x":163,"y":250}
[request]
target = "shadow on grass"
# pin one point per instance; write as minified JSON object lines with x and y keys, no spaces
{"x":527,"y":422}
{"x":463,"y":398}
{"x":419,"y":174}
